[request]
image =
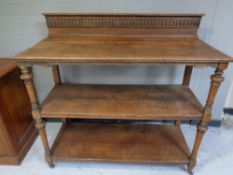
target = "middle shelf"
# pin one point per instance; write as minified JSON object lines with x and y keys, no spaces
{"x":139,"y":102}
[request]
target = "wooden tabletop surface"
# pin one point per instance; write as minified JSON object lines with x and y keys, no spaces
{"x":123,"y":49}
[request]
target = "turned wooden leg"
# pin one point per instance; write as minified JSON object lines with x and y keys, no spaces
{"x":56,"y":75}
{"x":186,"y":80}
{"x":26,"y":76}
{"x":216,"y":80}
{"x":187,"y":75}
{"x":178,"y":122}
{"x":57,"y":81}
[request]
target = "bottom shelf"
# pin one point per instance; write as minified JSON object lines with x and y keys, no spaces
{"x":131,"y":143}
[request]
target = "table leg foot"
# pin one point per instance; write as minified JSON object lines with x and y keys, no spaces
{"x":51,"y":165}
{"x":190,"y":172}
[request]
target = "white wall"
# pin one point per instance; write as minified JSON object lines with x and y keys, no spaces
{"x":21,"y":26}
{"x":222,"y":38}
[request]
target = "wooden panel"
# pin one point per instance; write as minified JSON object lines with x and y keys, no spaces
{"x":6,"y":65}
{"x":121,"y":143}
{"x":6,"y":148}
{"x":16,"y":123}
{"x":122,"y":102}
{"x":15,"y":158}
{"x":15,"y":107}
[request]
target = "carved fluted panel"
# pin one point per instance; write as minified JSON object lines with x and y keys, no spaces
{"x":75,"y":21}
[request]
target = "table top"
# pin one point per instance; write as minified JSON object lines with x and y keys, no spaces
{"x":122,"y":38}
{"x":122,"y":49}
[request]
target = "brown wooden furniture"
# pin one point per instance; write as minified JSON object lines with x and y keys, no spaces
{"x":122,"y":39}
{"x":17,"y":131}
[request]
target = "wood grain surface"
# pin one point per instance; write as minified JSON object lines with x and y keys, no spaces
{"x":6,"y":65}
{"x":122,"y":102}
{"x":137,"y":143}
{"x":17,"y":131}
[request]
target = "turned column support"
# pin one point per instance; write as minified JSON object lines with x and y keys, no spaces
{"x":216,"y":80}
{"x":26,"y":76}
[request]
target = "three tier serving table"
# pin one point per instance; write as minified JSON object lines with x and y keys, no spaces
{"x":122,"y":39}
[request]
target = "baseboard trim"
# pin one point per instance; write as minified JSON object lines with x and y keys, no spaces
{"x":228,"y":111}
{"x":213,"y":123}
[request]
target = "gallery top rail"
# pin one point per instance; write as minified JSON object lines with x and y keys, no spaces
{"x":117,"y":20}
{"x":122,"y":38}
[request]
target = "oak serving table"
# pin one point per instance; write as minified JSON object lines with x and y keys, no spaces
{"x":122,"y":39}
